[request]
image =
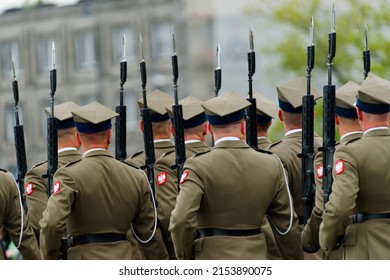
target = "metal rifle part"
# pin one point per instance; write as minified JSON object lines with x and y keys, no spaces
{"x":20,"y":147}
{"x":177,"y":118}
{"x":147,"y":125}
{"x":251,"y":121}
{"x":218,"y":71}
{"x":120,"y":122}
{"x":308,"y":185}
{"x":329,"y":103}
{"x":366,"y":53}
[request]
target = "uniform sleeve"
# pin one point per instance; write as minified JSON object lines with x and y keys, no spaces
{"x":36,"y":198}
{"x":166,"y":193}
{"x":184,"y":216}
{"x":144,"y":225}
{"x":279,"y":213}
{"x":13,"y":220}
{"x":56,"y":214}
{"x":342,"y":200}
{"x":310,"y":233}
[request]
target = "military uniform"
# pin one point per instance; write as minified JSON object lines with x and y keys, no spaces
{"x":345,"y":107}
{"x":290,"y":100}
{"x":36,"y":187}
{"x":213,"y":187}
{"x":360,"y":186}
{"x":166,"y":176}
{"x":157,"y":102}
{"x":12,"y":217}
{"x":98,"y":210}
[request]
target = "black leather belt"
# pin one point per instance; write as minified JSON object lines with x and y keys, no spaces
{"x":94,"y":238}
{"x":227,"y":232}
{"x":361,"y":217}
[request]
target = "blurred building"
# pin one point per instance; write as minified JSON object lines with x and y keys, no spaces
{"x":88,"y":50}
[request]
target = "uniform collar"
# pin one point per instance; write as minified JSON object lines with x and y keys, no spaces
{"x":67,"y":149}
{"x":227,"y":138}
{"x":375,"y":128}
{"x":293,"y":131}
{"x":350,"y":133}
{"x":92,"y":150}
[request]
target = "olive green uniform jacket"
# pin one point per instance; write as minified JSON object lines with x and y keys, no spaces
{"x":263,"y":142}
{"x":310,"y":233}
{"x":37,"y":188}
{"x":288,"y":150}
{"x":167,"y":188}
{"x":361,"y":185}
{"x":232,"y":187}
{"x":99,"y":194}
{"x":11,"y":217}
{"x":160,"y":148}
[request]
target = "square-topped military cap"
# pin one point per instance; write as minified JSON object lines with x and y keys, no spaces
{"x":346,"y":99}
{"x":93,"y":118}
{"x":193,"y":113}
{"x":374,"y":95}
{"x":63,"y":113}
{"x":290,"y":94}
{"x":226,"y":108}
{"x":157,"y":102}
{"x":266,"y":110}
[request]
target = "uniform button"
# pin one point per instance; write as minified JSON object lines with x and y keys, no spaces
{"x":325,"y":248}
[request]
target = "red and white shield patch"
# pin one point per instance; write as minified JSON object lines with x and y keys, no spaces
{"x":162,"y":178}
{"x":184,"y":177}
{"x":29,"y":188}
{"x":320,"y":171}
{"x":56,"y":187}
{"x":339,"y":166}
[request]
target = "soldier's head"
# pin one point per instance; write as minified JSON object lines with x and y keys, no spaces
{"x":194,"y":118}
{"x":290,"y":102}
{"x":66,"y":127}
{"x":266,"y":110}
{"x":373,"y":102}
{"x":156,"y":102}
{"x":226,"y":115}
{"x":93,"y":124}
{"x":345,"y":111}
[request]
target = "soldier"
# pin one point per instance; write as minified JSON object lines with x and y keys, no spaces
{"x":195,"y":131}
{"x":361,"y":180}
{"x":98,"y":198}
{"x":214,"y":185}
{"x":68,"y":151}
{"x":290,"y":113}
{"x":161,"y":126}
{"x":13,"y":219}
{"x":266,"y":110}
{"x":348,"y":126}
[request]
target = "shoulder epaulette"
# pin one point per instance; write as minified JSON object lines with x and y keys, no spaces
{"x":352,"y":140}
{"x":1,"y":169}
{"x":263,"y":151}
{"x":201,"y":153}
{"x":274,"y":144}
{"x":130,"y":164}
{"x":72,"y":162}
{"x":39,"y":164}
{"x":167,"y":153}
{"x":136,"y":154}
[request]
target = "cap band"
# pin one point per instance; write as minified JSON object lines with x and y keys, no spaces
{"x":66,"y":123}
{"x":263,"y":119}
{"x":195,"y":121}
{"x":93,"y":128}
{"x":372,"y":108}
{"x":155,"y":117}
{"x":231,"y":118}
{"x":346,"y":113}
{"x":285,"y":106}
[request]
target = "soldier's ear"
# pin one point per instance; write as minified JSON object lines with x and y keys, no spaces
{"x":336,"y":120}
{"x":359,"y":114}
{"x":77,"y":135}
{"x":243,"y":127}
{"x":141,"y":126}
{"x":204,"y":131}
{"x":109,"y":137}
{"x":209,"y":128}
{"x":280,"y":115}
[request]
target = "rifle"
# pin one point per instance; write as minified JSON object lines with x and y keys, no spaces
{"x":218,"y":72}
{"x":251,"y":125}
{"x":328,"y":118}
{"x":20,"y":147}
{"x":177,"y":110}
{"x":308,"y":185}
{"x":366,"y":53}
{"x":147,"y":124}
{"x":120,"y":122}
{"x":52,"y":134}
